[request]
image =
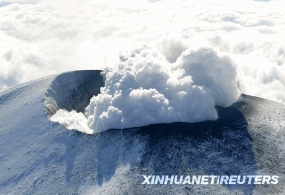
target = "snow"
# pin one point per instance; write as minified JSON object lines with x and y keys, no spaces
{"x":38,"y":156}
{"x":41,"y":157}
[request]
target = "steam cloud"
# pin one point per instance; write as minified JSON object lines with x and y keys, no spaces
{"x":72,"y":120}
{"x":145,"y":88}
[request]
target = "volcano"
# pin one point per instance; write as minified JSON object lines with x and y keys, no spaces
{"x":38,"y":156}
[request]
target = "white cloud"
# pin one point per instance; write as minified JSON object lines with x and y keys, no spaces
{"x":42,"y":37}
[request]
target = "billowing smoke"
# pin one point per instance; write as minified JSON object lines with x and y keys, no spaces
{"x":72,"y":120}
{"x":145,"y":88}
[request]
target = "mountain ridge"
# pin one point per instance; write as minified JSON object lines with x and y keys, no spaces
{"x":38,"y":156}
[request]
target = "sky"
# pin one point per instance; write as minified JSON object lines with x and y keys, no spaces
{"x":203,"y":52}
{"x":39,"y":38}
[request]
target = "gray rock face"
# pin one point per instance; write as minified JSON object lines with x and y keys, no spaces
{"x":41,"y":157}
{"x":73,"y":90}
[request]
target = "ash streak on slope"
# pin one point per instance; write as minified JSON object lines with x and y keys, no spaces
{"x":145,"y":88}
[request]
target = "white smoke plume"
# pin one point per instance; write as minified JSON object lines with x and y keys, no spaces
{"x":145,"y":88}
{"x":72,"y":120}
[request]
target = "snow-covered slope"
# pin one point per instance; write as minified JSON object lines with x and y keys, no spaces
{"x":37,"y":155}
{"x":41,"y":157}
